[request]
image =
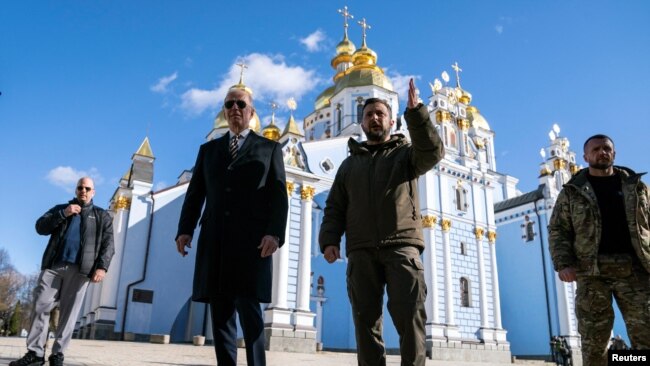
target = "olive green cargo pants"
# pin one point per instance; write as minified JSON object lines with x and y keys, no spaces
{"x":400,"y":270}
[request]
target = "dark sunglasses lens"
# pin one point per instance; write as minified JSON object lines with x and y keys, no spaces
{"x":80,"y":188}
{"x":240,"y":104}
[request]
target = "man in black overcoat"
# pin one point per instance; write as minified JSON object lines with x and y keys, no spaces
{"x":241,"y":180}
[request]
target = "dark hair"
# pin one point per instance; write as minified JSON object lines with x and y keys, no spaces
{"x":599,"y":137}
{"x":377,"y":100}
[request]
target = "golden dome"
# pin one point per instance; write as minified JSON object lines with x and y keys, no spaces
{"x":363,"y":77}
{"x":475,"y":117}
{"x":364,"y":57}
{"x":345,"y":47}
{"x":271,"y":132}
{"x":220,"y":121}
{"x":323,"y":100}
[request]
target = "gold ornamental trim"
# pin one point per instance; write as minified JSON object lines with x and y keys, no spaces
{"x":446,"y":224}
{"x":463,"y":123}
{"x":307,"y":192}
{"x":429,"y":221}
{"x":559,"y":164}
{"x":290,"y":187}
{"x":122,"y":203}
{"x":479,"y":232}
{"x":492,"y":236}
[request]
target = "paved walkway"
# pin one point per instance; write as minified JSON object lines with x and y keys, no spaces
{"x":99,"y":353}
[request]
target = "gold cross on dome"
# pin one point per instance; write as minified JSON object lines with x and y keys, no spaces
{"x":243,"y":66}
{"x":274,"y":106}
{"x":364,"y":25}
{"x":345,"y":14}
{"x":458,"y":71}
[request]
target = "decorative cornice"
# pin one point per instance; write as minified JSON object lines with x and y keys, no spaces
{"x":492,"y":236}
{"x":122,"y":203}
{"x":429,"y":221}
{"x":446,"y":224}
{"x":307,"y":192}
{"x":479,"y":233}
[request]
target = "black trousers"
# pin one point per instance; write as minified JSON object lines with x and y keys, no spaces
{"x":224,"y":329}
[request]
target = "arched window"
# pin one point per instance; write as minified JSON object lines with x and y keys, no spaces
{"x":464,"y":292}
{"x":338,"y":117}
{"x":359,"y":110}
{"x":530,"y":231}
{"x":461,"y":198}
{"x":463,"y":248}
{"x":452,"y":138}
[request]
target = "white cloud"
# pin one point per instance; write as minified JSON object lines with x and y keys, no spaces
{"x":270,"y":78}
{"x":163,"y":82}
{"x":66,"y":177}
{"x":313,"y":42}
{"x":499,"y":29}
{"x":160,"y":186}
{"x":401,"y":84}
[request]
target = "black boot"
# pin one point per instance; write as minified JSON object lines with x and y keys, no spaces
{"x":29,"y":359}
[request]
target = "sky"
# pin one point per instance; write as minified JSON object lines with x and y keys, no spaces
{"x":84,"y":82}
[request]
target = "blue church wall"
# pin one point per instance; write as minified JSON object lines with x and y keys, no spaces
{"x":523,"y":297}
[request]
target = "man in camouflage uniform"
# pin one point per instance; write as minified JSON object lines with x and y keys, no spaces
{"x":599,"y":236}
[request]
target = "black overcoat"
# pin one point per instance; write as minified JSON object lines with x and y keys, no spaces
{"x":245,"y":199}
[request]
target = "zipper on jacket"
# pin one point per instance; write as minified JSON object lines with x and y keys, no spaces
{"x":371,"y":195}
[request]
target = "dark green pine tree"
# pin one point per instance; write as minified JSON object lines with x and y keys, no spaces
{"x":14,"y":321}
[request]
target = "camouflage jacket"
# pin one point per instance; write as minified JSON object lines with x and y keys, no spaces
{"x":575,"y":226}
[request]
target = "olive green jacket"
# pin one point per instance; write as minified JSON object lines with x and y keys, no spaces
{"x":575,"y":226}
{"x":374,"y":197}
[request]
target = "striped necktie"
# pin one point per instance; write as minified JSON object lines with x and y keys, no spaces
{"x":234,"y":146}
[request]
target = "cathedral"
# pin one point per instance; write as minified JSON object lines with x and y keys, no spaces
{"x":463,"y":201}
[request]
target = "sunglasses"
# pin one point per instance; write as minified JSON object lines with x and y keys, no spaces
{"x":81,"y":188}
{"x":240,"y":104}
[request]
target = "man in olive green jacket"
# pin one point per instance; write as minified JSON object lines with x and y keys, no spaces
{"x":374,"y":201}
{"x":599,"y":236}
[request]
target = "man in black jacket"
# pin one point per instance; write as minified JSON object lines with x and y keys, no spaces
{"x":79,"y":252}
{"x":374,"y":201}
{"x":240,"y":184}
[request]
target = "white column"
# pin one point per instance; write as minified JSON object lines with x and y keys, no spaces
{"x":499,"y":333}
{"x":281,"y":263}
{"x":481,"y":275}
{"x":304,"y":264}
{"x":278,"y":315}
{"x":449,"y":292}
{"x":111,"y":281}
{"x":431,"y":268}
{"x":492,"y":236}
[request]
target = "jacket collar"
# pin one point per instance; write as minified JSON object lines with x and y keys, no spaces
{"x":627,"y":175}
{"x":357,"y":147}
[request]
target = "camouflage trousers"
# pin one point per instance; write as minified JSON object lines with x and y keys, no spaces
{"x":629,"y":284}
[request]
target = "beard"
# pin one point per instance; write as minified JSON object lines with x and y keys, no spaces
{"x":602,"y":165}
{"x":376,"y":136}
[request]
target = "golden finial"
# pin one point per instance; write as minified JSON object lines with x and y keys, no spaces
{"x":345,"y":14}
{"x":292,"y":105}
{"x":458,"y":71}
{"x":364,"y":25}
{"x":274,"y":106}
